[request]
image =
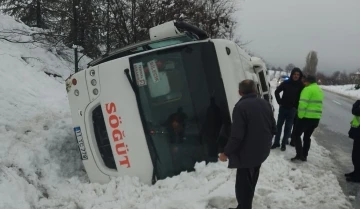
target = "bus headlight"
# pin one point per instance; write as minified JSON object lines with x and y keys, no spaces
{"x":93,"y":82}
{"x":76,"y":92}
{"x":92,"y":72}
{"x":95,"y":91}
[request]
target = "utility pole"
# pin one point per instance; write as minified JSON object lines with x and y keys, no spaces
{"x":75,"y":28}
{"x":108,"y":27}
{"x":38,"y":15}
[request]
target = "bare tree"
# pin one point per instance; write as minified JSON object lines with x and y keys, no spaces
{"x":322,"y":77}
{"x":34,"y":13}
{"x":338,"y":78}
{"x":311,"y":63}
{"x":343,"y":78}
{"x":103,"y":25}
{"x":289,"y":68}
{"x":335,"y":77}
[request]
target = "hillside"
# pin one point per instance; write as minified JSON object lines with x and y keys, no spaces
{"x":37,"y":146}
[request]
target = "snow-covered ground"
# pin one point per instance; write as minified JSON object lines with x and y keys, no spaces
{"x":40,"y":165}
{"x":347,"y":90}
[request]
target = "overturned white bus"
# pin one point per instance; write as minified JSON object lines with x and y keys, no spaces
{"x":155,"y":108}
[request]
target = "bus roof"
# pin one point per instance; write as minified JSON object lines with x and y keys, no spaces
{"x":140,"y":47}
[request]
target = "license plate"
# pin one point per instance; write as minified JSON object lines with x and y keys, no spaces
{"x":80,"y":141}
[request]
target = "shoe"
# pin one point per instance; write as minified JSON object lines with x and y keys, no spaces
{"x":295,"y":158}
{"x":292,"y":144}
{"x":283,"y":148}
{"x":350,"y":174}
{"x":275,"y":146}
{"x":299,"y":158}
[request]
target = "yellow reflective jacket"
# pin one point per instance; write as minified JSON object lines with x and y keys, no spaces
{"x":310,"y":103}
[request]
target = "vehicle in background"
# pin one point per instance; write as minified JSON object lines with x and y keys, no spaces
{"x":281,"y":79}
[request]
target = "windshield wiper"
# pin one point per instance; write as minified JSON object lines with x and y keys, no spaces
{"x":127,"y":73}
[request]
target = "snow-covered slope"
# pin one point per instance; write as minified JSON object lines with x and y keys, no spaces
{"x":347,"y":90}
{"x":40,"y":166}
{"x":37,"y":148}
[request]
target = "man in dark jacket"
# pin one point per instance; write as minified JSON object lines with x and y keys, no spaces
{"x":288,"y":104}
{"x":250,"y":141}
{"x":354,"y":133}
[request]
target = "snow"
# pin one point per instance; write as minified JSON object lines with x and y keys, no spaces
{"x":40,"y":166}
{"x":276,"y":74}
{"x":347,"y":90}
{"x":38,"y":55}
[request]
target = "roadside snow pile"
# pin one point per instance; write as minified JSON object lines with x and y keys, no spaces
{"x":40,"y":165}
{"x":32,"y":50}
{"x":347,"y":90}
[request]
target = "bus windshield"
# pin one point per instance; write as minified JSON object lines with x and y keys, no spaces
{"x":182,"y":97}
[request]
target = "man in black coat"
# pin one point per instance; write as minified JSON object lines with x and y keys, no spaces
{"x":250,"y":141}
{"x":354,"y":133}
{"x":288,"y":106}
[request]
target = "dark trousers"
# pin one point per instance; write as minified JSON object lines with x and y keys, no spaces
{"x":287,"y":115}
{"x":246,"y":180}
{"x":356,"y":157}
{"x":304,"y":126}
{"x":293,"y":127}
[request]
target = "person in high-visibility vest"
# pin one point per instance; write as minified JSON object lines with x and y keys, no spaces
{"x":354,"y":133}
{"x":309,"y":115}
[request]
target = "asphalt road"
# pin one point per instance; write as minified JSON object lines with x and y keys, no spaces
{"x":333,"y":135}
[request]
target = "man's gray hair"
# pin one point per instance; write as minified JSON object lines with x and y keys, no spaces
{"x":247,"y":86}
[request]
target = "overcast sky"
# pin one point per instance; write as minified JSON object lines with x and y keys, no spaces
{"x":284,"y":31}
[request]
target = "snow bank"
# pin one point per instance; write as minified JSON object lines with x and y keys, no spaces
{"x":347,"y":90}
{"x":40,"y":165}
{"x":39,"y":55}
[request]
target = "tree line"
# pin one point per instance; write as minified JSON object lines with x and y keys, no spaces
{"x":339,"y":78}
{"x":96,"y":27}
{"x":310,"y":68}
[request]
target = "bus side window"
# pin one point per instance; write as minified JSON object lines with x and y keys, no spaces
{"x":263,"y":83}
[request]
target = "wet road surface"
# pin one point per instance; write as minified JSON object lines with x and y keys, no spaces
{"x":333,"y":135}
